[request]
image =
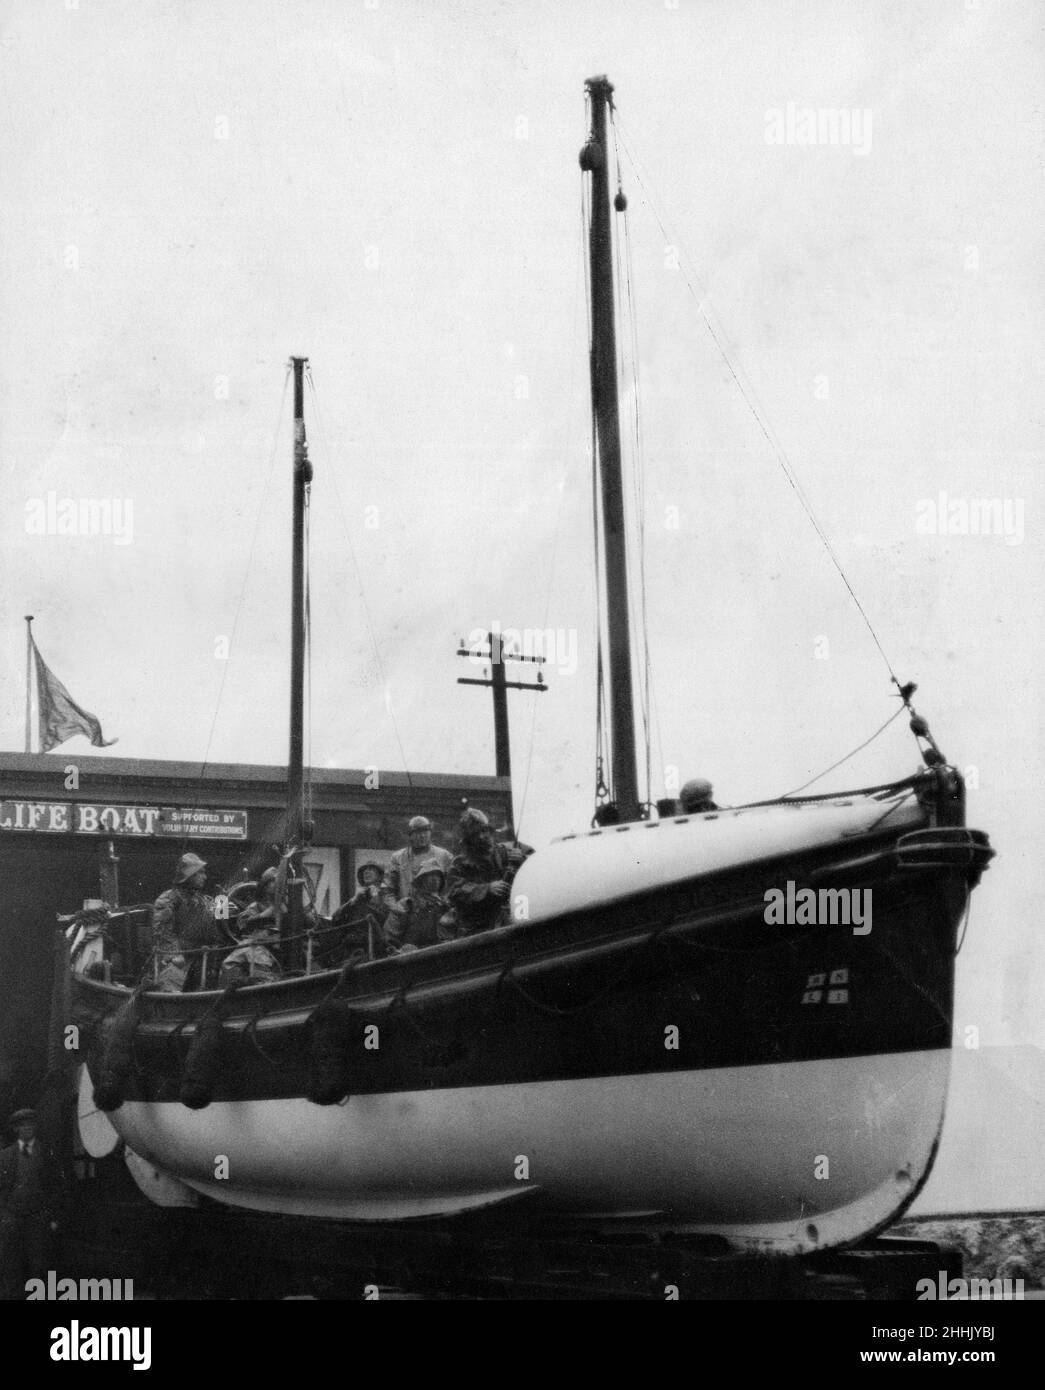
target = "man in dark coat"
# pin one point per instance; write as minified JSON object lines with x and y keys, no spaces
{"x":29,"y":1188}
{"x":356,"y":925}
{"x":480,"y":877}
{"x":182,"y":923}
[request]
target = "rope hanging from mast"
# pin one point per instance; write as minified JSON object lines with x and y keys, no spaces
{"x":603,"y":765}
{"x":919,"y":727}
{"x":371,"y":632}
{"x":308,"y":816}
{"x":629,"y":374}
{"x":262,"y":506}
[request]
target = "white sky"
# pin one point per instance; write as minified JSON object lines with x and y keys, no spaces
{"x":396,"y":127}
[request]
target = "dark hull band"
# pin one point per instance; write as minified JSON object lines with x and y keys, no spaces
{"x":686,"y":978}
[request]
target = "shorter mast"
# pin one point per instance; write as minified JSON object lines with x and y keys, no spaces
{"x":293,"y":922}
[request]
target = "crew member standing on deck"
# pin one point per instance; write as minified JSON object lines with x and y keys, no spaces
{"x":424,"y":921}
{"x":696,"y":797}
{"x":406,"y":862}
{"x":480,"y":877}
{"x":255,"y":958}
{"x":182,"y":923}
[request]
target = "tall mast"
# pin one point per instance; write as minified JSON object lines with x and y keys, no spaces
{"x":293,"y":923}
{"x":594,"y":158}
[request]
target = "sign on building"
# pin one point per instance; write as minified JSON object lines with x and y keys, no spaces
{"x":97,"y":818}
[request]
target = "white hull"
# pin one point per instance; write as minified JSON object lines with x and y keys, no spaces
{"x":732,"y":1151}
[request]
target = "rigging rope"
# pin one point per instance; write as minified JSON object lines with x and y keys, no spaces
{"x":626,"y":299}
{"x":860,"y":747}
{"x":965,"y":926}
{"x":603,"y":762}
{"x":308,"y":660}
{"x":243,"y":588}
{"x":749,"y":395}
{"x":359,"y":577}
{"x":568,"y":457}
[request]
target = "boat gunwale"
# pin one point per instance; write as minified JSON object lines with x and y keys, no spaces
{"x":885,"y":791}
{"x":424,"y":974}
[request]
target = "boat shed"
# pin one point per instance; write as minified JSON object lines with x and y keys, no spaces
{"x":75,"y":830}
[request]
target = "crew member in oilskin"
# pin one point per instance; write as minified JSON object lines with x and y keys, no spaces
{"x":481,"y":875}
{"x":182,"y":923}
{"x":255,"y":959}
{"x":404,"y":864}
{"x":421,"y":919}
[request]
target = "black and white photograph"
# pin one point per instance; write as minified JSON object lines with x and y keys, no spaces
{"x":520,"y":623}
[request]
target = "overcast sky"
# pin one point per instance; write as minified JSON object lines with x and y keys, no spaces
{"x":192,"y":192}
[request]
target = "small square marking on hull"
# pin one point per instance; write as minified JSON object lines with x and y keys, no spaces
{"x":812,"y":996}
{"x":816,"y":981}
{"x":839,"y":977}
{"x":838,"y":996}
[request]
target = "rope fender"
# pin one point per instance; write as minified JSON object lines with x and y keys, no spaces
{"x":117,"y":1062}
{"x":330,"y":1079}
{"x":330,"y":1025}
{"x":205,"y":1053}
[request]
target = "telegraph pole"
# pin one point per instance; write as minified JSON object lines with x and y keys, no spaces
{"x":500,"y":685}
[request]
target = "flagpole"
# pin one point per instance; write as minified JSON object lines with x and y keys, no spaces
{"x":29,"y":682}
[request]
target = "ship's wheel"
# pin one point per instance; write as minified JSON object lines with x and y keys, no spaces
{"x":238,"y":898}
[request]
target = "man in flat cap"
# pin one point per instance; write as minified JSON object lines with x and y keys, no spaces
{"x":405,"y":863}
{"x":480,"y":877}
{"x":29,"y":1186}
{"x":182,"y":923}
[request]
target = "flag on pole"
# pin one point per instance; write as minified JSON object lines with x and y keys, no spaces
{"x":60,"y":716}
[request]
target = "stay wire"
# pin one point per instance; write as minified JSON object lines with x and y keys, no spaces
{"x":246,"y":577}
{"x":639,"y":462}
{"x":859,"y":749}
{"x":308,"y":648}
{"x":622,"y":376}
{"x":558,"y":519}
{"x":603,"y":768}
{"x":359,"y":576}
{"x":750,"y":398}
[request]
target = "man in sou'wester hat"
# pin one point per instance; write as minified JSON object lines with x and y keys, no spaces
{"x":480,"y":877}
{"x":421,"y":919}
{"x":182,"y":923}
{"x":404,"y":864}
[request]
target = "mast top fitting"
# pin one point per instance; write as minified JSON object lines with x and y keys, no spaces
{"x":600,"y":86}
